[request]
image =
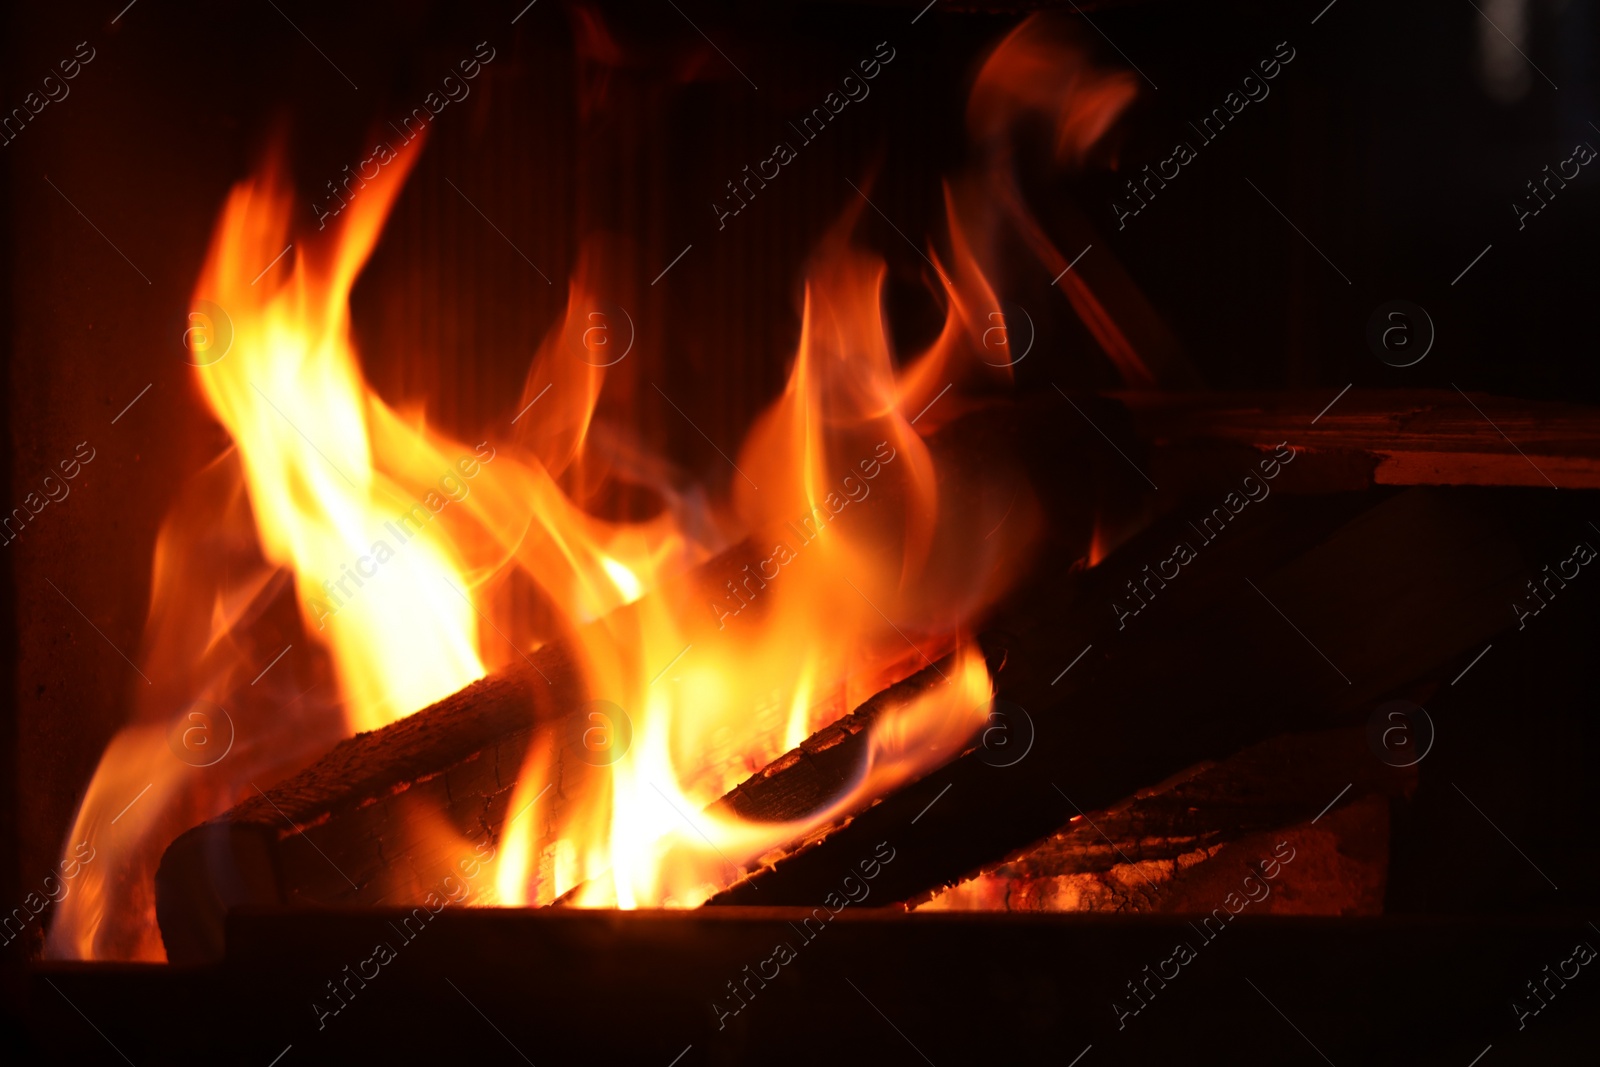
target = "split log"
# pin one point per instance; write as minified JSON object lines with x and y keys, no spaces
{"x":362,"y":826}
{"x":1371,"y":437}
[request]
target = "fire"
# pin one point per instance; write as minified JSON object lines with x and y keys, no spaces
{"x":402,"y":564}
{"x":836,"y":594}
{"x":328,"y":466}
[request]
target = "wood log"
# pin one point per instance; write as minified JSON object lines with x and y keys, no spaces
{"x":361,"y":827}
{"x":1371,"y":437}
{"x":1151,"y":852}
{"x":1289,"y":618}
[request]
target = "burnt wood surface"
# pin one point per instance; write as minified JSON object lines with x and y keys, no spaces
{"x":1321,"y":793}
{"x":1371,"y":437}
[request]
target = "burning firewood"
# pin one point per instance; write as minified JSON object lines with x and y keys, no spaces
{"x":388,"y":814}
{"x":1001,"y":808}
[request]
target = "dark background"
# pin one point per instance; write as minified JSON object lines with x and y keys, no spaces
{"x":1383,"y":141}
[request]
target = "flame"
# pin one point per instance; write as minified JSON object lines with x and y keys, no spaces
{"x":1097,"y":543}
{"x":1042,"y":73}
{"x":836,"y":597}
{"x":328,"y":466}
{"x":400,"y":564}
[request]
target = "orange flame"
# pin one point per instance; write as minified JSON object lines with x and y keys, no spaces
{"x":836,"y":599}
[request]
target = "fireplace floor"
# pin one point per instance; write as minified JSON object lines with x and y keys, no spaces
{"x":507,"y":986}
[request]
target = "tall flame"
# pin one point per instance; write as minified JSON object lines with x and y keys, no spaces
{"x":838,"y":598}
{"x":327,"y":464}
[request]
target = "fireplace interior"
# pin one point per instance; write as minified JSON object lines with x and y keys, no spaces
{"x":770,"y":533}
